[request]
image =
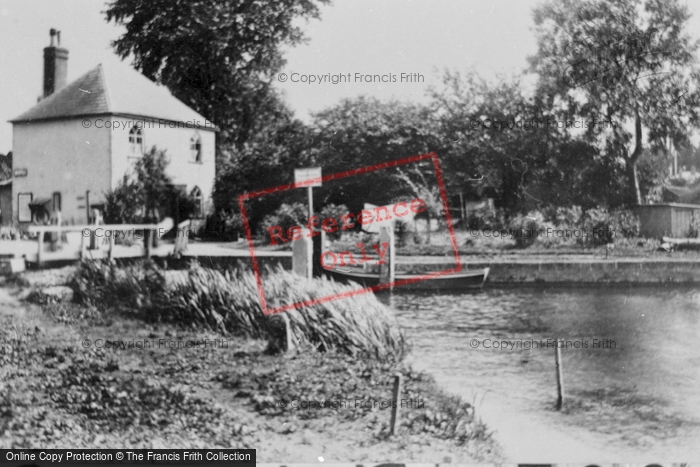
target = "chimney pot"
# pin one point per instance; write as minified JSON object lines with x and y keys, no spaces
{"x":55,"y":65}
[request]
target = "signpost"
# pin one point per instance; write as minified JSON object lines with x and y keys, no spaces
{"x":302,"y":175}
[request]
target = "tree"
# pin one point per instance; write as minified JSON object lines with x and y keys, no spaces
{"x":147,"y":194}
{"x":6,"y":166}
{"x":365,"y":131}
{"x":217,"y":56}
{"x":487,"y":139}
{"x":628,"y":61}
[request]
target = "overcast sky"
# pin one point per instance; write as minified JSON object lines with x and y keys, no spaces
{"x":368,"y":37}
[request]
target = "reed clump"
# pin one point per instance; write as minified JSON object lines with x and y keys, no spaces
{"x":228,"y":302}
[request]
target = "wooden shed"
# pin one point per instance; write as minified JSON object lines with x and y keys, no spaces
{"x":668,"y":220}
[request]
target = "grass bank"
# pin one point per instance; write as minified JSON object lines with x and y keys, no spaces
{"x":76,"y":376}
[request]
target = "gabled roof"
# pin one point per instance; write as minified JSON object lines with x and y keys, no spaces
{"x":115,"y":89}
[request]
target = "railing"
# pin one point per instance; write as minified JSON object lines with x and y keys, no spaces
{"x":89,"y":233}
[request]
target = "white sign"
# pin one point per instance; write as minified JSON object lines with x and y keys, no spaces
{"x":20,"y":172}
{"x":302,"y":175}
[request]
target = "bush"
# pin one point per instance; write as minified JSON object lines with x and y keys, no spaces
{"x":229,"y":303}
{"x":333,"y":211}
{"x":604,"y":225}
{"x":286,"y":216}
{"x":224,"y":226}
{"x":524,"y":229}
{"x":403,"y":231}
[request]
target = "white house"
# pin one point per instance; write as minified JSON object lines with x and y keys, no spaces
{"x":79,"y":141}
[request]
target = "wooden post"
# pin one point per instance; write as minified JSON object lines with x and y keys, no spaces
{"x":311,"y":202}
{"x":387,"y":270}
{"x":147,"y":242}
{"x":110,"y":252}
{"x":396,"y":405}
{"x":83,"y":247}
{"x":40,"y":252}
{"x":87,"y":206}
{"x":560,"y":379}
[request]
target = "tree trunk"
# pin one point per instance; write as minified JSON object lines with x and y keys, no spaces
{"x":632,"y":173}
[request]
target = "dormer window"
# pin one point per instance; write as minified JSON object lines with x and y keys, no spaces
{"x":196,"y":148}
{"x":136,"y":141}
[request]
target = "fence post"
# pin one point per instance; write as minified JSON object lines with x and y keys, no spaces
{"x":396,"y":405}
{"x":40,"y":253}
{"x":147,"y":242}
{"x":560,"y":379}
{"x":110,"y":252}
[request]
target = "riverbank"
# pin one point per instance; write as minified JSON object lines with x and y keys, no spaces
{"x":568,"y":270}
{"x":74,"y":376}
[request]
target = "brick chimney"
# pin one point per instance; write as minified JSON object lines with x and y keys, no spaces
{"x":55,"y":65}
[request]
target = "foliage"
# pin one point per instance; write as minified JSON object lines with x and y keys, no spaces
{"x":6,"y":166}
{"x":221,"y":225}
{"x":285,"y":217}
{"x":284,"y":143}
{"x":624,"y":62}
{"x":147,"y":194}
{"x":333,"y":211}
{"x":229,"y":303}
{"x":219,"y":57}
{"x":403,"y":231}
{"x":366,"y":131}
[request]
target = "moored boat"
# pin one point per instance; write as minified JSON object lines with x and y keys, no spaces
{"x":473,"y":279}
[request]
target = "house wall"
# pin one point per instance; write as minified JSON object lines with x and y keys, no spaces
{"x":61,"y":156}
{"x":182,"y":169}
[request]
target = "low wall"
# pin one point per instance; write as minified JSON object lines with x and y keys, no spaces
{"x":630,"y":270}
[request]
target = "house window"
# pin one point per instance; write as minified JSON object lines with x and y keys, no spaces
{"x":56,"y":201}
{"x":198,"y":202}
{"x":196,"y":148}
{"x":136,"y":141}
{"x":23,"y":209}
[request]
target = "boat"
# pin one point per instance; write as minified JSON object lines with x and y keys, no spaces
{"x":473,"y":279}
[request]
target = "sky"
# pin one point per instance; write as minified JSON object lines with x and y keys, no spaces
{"x":420,"y":38}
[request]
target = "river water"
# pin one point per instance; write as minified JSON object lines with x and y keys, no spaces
{"x":631,"y":367}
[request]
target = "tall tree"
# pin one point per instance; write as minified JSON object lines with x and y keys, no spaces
{"x":217,"y":56}
{"x":630,"y":62}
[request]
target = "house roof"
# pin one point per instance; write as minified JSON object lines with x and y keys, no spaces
{"x":114,"y":89}
{"x":681,"y":194}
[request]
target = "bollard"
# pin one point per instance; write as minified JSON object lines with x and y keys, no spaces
{"x":302,"y":255}
{"x":396,"y":405}
{"x":560,"y":381}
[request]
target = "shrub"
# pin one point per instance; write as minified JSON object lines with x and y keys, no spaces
{"x":333,"y":211}
{"x":223,"y":226}
{"x":404,"y":230}
{"x":604,"y":225}
{"x":229,"y":303}
{"x":286,"y":216}
{"x":524,"y":229}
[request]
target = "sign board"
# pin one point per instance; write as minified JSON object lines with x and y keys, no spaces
{"x":20,"y":172}
{"x":302,"y":175}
